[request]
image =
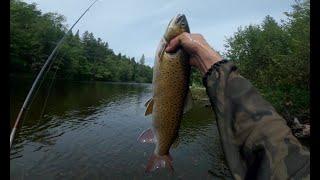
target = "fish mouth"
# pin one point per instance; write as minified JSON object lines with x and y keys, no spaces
{"x":181,"y":18}
{"x":177,"y":25}
{"x":182,"y":21}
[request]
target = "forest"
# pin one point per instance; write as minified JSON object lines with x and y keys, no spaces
{"x":274,"y":56}
{"x":33,"y":35}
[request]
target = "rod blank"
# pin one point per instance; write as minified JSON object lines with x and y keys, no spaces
{"x":41,"y":73}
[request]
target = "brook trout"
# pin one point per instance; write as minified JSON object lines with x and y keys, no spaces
{"x":170,"y":96}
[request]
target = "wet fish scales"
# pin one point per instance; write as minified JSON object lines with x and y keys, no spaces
{"x":170,"y":89}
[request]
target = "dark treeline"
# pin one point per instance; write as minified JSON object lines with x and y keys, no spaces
{"x":33,"y":35}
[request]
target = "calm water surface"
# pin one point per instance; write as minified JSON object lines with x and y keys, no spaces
{"x":89,"y":130}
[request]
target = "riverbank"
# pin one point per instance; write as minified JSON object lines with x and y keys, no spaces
{"x":49,"y":76}
{"x":300,"y":130}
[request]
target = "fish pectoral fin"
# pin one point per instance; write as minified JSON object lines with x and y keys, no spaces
{"x":188,"y":103}
{"x":146,"y":104}
{"x":149,"y":107}
{"x":147,"y":136}
{"x":157,"y":161}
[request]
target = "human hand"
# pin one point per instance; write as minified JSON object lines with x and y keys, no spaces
{"x":202,"y":56}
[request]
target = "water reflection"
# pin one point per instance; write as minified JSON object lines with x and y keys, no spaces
{"x":70,"y":106}
{"x":89,"y":130}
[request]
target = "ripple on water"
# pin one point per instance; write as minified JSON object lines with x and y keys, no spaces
{"x":90,"y":130}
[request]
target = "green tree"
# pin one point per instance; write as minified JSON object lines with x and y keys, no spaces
{"x":142,"y":59}
{"x":276,"y":58}
{"x":34,"y":35}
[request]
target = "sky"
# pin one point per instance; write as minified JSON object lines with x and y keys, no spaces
{"x":135,"y":27}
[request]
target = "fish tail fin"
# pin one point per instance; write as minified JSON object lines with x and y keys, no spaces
{"x":156,"y":162}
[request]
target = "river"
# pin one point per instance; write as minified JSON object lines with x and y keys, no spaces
{"x":89,"y":130}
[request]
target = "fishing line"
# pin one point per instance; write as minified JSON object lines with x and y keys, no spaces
{"x":48,"y":94}
{"x":39,"y":77}
{"x":49,"y":91}
{"x":35,"y":95}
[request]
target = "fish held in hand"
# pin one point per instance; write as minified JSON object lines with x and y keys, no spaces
{"x":171,"y":96}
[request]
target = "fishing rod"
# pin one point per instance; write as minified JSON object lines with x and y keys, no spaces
{"x":41,"y":73}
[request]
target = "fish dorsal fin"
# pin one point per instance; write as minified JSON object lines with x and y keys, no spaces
{"x":188,"y":103}
{"x":149,"y":105}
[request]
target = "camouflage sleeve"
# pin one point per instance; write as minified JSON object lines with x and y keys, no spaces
{"x":256,"y":140}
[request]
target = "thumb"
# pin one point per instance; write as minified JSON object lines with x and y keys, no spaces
{"x":173,"y":45}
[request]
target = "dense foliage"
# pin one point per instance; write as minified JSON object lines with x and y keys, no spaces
{"x":276,"y":58}
{"x":33,"y":35}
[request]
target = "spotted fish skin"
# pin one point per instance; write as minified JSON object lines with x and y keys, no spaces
{"x":171,"y":76}
{"x":171,"y":84}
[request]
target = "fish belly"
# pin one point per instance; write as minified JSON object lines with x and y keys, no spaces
{"x":170,"y":90}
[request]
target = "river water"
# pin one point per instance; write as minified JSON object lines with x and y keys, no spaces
{"x":89,"y":130}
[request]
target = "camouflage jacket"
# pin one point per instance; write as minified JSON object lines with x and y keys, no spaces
{"x":256,"y":140}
